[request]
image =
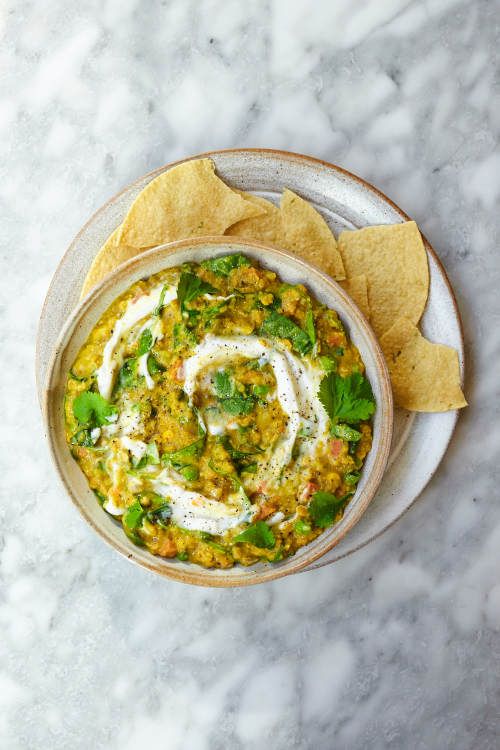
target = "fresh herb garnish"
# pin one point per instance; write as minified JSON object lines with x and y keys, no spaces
{"x":183,"y":337}
{"x":352,"y":477}
{"x":259,"y":534}
{"x":160,"y":515}
{"x":127,"y":374}
{"x":328,"y":364}
{"x":92,"y":410}
{"x":145,"y":342}
{"x":230,"y":400}
{"x":280,"y":326}
{"x":191,"y":286}
{"x":347,"y":399}
{"x":154,"y":367}
{"x":184,"y":457}
{"x":83,"y":438}
{"x":324,"y":507}
{"x":301,"y":527}
{"x":309,"y":326}
{"x":224,"y":265}
{"x":345,"y":432}
{"x":132,"y":521}
{"x":161,"y":301}
{"x":149,"y":457}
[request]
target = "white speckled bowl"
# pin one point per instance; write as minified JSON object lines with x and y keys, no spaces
{"x":291,"y":269}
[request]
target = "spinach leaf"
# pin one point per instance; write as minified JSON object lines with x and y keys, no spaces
{"x":145,"y":342}
{"x":184,"y":456}
{"x":154,"y":367}
{"x":160,"y":515}
{"x":347,"y":399}
{"x":132,"y":521}
{"x":127,"y":374}
{"x":93,"y":410}
{"x":191,"y":286}
{"x":345,"y":432}
{"x":161,"y":301}
{"x":150,"y":457}
{"x":224,"y":265}
{"x":279,"y":326}
{"x":259,"y":534}
{"x":309,"y":326}
{"x":183,"y":337}
{"x":324,"y":507}
{"x":231,"y":401}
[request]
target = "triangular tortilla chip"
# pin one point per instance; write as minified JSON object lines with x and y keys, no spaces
{"x":424,"y":376}
{"x":264,"y":228}
{"x":307,"y":234}
{"x":394,"y":259}
{"x":188,"y":200}
{"x":357,"y":288}
{"x":110,"y":256}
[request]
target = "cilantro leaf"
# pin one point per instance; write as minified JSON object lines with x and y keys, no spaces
{"x":324,"y":507}
{"x":309,"y":326}
{"x":132,"y":521}
{"x":183,"y":337}
{"x":259,"y":534}
{"x":93,"y":410}
{"x":230,"y":399}
{"x":280,"y":326}
{"x":160,"y":515}
{"x":183,"y":457}
{"x":154,"y":367}
{"x":191,"y":286}
{"x":127,"y":374}
{"x":224,"y":265}
{"x":161,"y":301}
{"x":145,"y":342}
{"x":150,"y":456}
{"x":347,"y":399}
{"x":222,"y":384}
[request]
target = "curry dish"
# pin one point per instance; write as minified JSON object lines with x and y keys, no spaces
{"x":221,"y":415}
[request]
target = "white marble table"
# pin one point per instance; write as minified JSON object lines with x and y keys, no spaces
{"x":395,"y":647}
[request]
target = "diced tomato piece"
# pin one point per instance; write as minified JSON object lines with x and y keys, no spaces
{"x":266,"y":510}
{"x":335,"y":447}
{"x":335,"y":339}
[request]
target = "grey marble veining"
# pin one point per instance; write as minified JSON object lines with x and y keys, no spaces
{"x":396,"y":646}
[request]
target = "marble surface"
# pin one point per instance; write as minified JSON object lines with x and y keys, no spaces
{"x":396,"y":646}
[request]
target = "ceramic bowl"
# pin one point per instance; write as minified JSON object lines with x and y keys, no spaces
{"x":290,"y":269}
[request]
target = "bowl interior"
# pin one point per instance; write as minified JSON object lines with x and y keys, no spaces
{"x":290,"y":269}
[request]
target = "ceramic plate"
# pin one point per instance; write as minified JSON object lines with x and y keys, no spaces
{"x":346,"y":202}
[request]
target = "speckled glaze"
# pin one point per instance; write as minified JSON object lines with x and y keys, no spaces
{"x":290,"y":269}
{"x":346,"y":202}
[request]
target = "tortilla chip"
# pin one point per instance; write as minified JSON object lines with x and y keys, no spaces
{"x":357,"y":288}
{"x":307,"y":234}
{"x":188,"y":200}
{"x":394,"y":259}
{"x":264,"y":228}
{"x":425,"y":376}
{"x":110,"y":256}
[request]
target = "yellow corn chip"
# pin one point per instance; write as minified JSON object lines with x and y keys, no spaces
{"x":357,"y":288}
{"x":188,"y":200}
{"x":425,"y":376}
{"x":264,"y":228}
{"x":394,"y":260}
{"x":110,"y":256}
{"x":307,"y":234}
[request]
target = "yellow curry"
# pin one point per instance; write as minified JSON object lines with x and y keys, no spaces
{"x":221,"y":415}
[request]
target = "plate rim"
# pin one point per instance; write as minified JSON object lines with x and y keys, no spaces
{"x":311,"y":161}
{"x":267,"y":153}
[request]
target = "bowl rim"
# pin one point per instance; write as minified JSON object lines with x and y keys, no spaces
{"x":195,"y":574}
